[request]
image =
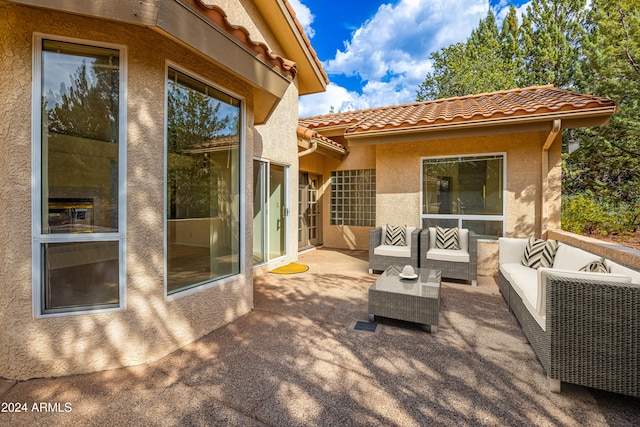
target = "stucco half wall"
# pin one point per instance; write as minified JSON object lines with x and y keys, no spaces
{"x":150,"y":324}
{"x":398,"y":167}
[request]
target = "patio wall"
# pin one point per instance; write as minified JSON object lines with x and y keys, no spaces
{"x":151,"y":324}
{"x":398,"y":185}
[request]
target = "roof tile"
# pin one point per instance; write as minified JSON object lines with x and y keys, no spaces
{"x":531,"y":101}
{"x":219,"y":17}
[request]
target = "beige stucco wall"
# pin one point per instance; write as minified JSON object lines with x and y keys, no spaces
{"x":151,"y":325}
{"x":345,"y":236}
{"x":277,"y":142}
{"x":398,"y":185}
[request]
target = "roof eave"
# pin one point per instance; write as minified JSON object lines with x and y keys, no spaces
{"x":570,"y":119}
{"x":297,"y":47}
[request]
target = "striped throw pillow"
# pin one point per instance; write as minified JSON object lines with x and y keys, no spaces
{"x":539,"y":253}
{"x":396,"y":235}
{"x":599,"y":266}
{"x":447,"y":238}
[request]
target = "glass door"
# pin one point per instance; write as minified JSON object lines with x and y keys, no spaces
{"x":270,"y":211}
{"x":308,"y":211}
{"x":277,"y":212}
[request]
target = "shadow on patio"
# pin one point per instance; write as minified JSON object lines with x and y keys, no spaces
{"x":292,"y":361}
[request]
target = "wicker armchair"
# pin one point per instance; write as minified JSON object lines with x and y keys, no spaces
{"x":454,"y":264}
{"x":382,"y":256}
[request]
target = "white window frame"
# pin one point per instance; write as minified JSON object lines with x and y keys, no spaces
{"x":460,"y":218}
{"x":212,"y":283}
{"x":287,"y":198}
{"x":39,"y":239}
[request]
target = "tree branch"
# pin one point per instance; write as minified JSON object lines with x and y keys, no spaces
{"x":626,"y":34}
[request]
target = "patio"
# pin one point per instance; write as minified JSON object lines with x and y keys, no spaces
{"x":292,"y":361}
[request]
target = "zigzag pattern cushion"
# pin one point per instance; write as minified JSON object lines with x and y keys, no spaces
{"x":599,"y":266}
{"x":396,"y":235}
{"x":447,"y":238}
{"x":539,"y":253}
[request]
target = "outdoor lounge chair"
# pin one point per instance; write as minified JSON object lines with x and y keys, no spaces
{"x":382,"y":255}
{"x":459,"y":263}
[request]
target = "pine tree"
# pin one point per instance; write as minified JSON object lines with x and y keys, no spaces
{"x":612,"y":56}
{"x":550,"y":37}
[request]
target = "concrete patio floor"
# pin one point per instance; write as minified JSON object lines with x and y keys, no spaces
{"x":292,"y":361}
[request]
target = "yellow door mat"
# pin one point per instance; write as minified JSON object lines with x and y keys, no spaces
{"x":292,"y":268}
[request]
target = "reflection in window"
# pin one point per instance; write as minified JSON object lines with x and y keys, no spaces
{"x":465,"y":192}
{"x":78,"y":179}
{"x":203,"y":182}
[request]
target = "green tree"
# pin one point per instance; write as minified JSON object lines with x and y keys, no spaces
{"x":550,"y":39}
{"x":612,"y":55}
{"x":482,"y":64}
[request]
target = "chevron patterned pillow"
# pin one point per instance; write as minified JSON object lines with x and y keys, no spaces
{"x":599,"y":266}
{"x":447,"y":238}
{"x":539,"y":253}
{"x":396,"y":235}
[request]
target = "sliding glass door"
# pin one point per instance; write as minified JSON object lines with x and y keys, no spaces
{"x":270,"y":211}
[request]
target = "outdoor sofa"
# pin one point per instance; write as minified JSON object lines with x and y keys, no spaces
{"x":584,"y":326}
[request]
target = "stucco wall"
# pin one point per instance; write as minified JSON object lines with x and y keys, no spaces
{"x":276,"y":141}
{"x":151,"y":325}
{"x":346,"y":236}
{"x":398,"y":185}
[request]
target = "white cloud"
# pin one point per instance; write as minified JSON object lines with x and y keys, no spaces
{"x":305,"y":17}
{"x":389,"y":53}
{"x":335,"y":97}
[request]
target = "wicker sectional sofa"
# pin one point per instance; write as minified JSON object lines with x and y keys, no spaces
{"x":583,"y":326}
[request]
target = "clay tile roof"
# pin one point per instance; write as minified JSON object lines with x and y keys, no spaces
{"x":486,"y":107}
{"x":219,"y":17}
{"x":308,"y":134}
{"x":307,"y":41}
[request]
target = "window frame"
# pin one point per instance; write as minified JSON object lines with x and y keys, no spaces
{"x":211,"y":283}
{"x":38,"y":238}
{"x":461,"y":217}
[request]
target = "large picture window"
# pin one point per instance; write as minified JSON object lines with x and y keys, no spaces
{"x":466,"y":192}
{"x":202,"y":183}
{"x":79,"y":178}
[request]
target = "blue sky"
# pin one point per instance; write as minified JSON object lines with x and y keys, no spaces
{"x":376,"y":53}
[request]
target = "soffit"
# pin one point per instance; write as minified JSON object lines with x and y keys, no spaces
{"x":512,"y":108}
{"x":200,"y":28}
{"x":284,"y":24}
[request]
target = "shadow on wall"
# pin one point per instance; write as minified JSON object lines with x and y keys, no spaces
{"x":148,"y":328}
{"x":348,"y":237}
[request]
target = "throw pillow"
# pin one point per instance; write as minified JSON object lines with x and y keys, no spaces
{"x":539,"y":253}
{"x":396,"y":235}
{"x":447,"y":238}
{"x":599,"y":266}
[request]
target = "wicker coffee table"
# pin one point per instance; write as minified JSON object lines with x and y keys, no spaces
{"x":412,"y":300}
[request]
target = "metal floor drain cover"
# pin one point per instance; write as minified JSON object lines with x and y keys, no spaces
{"x":364,"y":326}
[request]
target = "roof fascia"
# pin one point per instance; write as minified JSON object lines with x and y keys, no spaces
{"x":311,"y":78}
{"x":536,"y":123}
{"x":183,"y":24}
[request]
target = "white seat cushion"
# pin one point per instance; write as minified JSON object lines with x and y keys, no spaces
{"x":390,"y":250}
{"x":451,"y":255}
{"x":525,"y":282}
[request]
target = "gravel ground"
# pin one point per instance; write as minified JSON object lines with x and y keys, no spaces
{"x":294,"y":362}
